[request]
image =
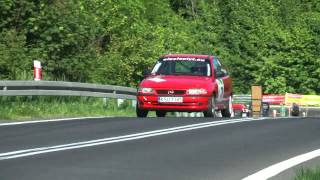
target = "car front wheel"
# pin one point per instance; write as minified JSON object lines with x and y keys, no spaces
{"x":211,"y":111}
{"x":141,"y":113}
{"x":160,"y":113}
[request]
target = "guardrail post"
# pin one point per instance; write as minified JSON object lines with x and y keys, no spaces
{"x":133,"y":103}
{"x":105,"y":102}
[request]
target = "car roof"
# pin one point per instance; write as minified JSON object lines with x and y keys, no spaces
{"x":186,"y":55}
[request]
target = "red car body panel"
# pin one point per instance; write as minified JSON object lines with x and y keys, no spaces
{"x":179,"y":84}
{"x":240,"y":107}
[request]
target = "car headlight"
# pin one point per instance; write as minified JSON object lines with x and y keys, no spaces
{"x":145,"y":90}
{"x":197,"y":91}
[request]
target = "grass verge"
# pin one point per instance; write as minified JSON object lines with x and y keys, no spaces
{"x":32,"y":107}
{"x":308,"y":174}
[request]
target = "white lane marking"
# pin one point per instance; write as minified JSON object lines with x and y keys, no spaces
{"x":282,"y":166}
{"x":35,"y":151}
{"x":50,"y":120}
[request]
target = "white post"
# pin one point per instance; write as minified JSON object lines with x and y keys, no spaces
{"x":274,"y":113}
{"x":134,"y":102}
{"x":120,"y":102}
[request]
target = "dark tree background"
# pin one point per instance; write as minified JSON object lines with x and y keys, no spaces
{"x":275,"y":43}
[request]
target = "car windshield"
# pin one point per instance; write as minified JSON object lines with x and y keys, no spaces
{"x":182,"y":66}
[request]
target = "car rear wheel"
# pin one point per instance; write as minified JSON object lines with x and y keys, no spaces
{"x":141,"y":112}
{"x":229,"y":110}
{"x":211,"y":111}
{"x":161,"y":113}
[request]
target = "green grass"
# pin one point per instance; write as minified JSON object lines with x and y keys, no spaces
{"x":29,"y":108}
{"x":308,"y":174}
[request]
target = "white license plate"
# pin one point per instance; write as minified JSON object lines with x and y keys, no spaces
{"x":170,"y":99}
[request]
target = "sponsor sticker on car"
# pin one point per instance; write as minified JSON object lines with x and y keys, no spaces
{"x":184,"y":59}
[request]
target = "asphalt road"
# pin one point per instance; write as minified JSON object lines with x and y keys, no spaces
{"x":218,"y":152}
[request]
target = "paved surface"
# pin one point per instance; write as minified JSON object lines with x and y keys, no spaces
{"x":225,"y":152}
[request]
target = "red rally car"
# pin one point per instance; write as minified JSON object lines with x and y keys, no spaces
{"x":186,"y":83}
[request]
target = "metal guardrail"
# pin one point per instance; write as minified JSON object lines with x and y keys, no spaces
{"x":242,"y":98}
{"x":61,"y":88}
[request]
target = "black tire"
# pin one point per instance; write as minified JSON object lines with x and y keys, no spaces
{"x":141,"y":113}
{"x":295,"y":113}
{"x":161,"y":113}
{"x":210,"y":112}
{"x":229,"y":110}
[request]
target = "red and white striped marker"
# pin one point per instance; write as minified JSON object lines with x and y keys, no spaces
{"x":37,"y":72}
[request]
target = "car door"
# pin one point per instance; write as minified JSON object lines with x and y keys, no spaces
{"x":223,"y":81}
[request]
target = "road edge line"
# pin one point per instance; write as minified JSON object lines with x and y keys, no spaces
{"x":52,"y":120}
{"x":276,"y":169}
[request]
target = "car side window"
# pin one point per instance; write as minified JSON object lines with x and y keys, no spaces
{"x":217,"y":67}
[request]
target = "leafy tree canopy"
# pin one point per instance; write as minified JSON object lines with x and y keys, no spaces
{"x":275,"y":43}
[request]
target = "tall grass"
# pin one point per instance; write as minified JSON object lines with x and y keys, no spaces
{"x":33,"y":107}
{"x":308,"y":174}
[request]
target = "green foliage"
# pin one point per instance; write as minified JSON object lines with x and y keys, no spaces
{"x":268,"y":42}
{"x":308,"y":174}
{"x":28,"y":108}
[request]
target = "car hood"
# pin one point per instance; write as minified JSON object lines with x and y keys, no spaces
{"x":177,"y":82}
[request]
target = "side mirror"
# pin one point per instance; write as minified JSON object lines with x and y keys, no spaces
{"x":224,"y":72}
{"x":220,"y":74}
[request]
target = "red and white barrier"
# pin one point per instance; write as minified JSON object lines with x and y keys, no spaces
{"x":37,"y":72}
{"x":273,"y":99}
